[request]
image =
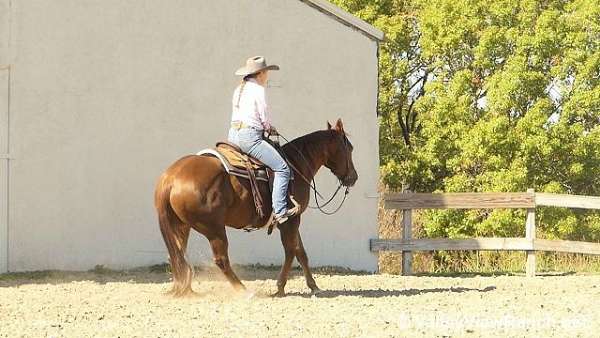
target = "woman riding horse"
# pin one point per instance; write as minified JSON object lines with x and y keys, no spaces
{"x":196,"y":192}
{"x":249,"y":121}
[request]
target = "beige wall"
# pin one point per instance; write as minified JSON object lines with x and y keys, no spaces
{"x":4,"y":78}
{"x":106,"y":94}
{"x":3,"y":170}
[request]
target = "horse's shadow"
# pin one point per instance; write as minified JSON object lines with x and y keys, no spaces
{"x":379,"y":293}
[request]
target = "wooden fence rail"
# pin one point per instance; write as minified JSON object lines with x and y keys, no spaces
{"x":530,"y":200}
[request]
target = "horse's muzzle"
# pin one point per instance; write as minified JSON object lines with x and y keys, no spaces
{"x":350,"y":180}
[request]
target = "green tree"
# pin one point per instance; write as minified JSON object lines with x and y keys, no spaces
{"x":481,"y":95}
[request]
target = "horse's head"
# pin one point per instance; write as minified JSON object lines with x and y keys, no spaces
{"x":339,"y":159}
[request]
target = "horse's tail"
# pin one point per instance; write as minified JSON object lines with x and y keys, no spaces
{"x":175,"y":237}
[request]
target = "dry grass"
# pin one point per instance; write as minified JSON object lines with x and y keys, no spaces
{"x":390,"y":226}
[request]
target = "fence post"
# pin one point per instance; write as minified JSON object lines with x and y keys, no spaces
{"x":406,"y":235}
{"x":530,"y":235}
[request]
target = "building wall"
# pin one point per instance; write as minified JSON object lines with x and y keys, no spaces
{"x":4,"y":103}
{"x":106,"y":94}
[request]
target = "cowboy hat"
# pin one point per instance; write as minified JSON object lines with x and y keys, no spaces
{"x":254,"y":65}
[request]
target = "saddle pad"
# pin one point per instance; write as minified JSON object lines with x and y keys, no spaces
{"x":261,"y":175}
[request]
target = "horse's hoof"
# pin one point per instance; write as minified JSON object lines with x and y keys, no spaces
{"x":187,"y":293}
{"x":278,"y":294}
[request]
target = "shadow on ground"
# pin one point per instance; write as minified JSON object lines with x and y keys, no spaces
{"x":491,"y":274}
{"x":378,"y":293}
{"x":101,"y":275}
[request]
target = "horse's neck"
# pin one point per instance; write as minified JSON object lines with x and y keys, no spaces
{"x":307,"y":153}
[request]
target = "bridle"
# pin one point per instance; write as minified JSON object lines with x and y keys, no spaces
{"x":313,"y":184}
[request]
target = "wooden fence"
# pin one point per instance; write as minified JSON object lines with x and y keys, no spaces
{"x":529,"y":200}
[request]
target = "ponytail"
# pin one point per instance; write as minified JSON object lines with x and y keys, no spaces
{"x":244,"y":80}
{"x":237,"y":105}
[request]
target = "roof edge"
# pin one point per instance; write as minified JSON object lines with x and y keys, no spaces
{"x":346,"y":18}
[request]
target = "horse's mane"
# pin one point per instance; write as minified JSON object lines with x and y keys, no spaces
{"x":306,"y":145}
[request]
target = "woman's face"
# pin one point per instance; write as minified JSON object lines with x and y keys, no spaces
{"x":262,"y":77}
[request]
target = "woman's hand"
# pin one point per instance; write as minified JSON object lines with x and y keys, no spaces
{"x":273,"y":131}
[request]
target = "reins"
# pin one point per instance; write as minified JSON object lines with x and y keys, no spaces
{"x":313,"y":184}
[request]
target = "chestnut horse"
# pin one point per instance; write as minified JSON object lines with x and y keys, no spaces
{"x":196,"y":193}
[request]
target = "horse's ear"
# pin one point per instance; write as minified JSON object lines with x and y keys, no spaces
{"x":328,"y":125}
{"x":339,"y":126}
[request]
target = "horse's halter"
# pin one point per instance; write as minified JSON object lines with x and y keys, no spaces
{"x":346,"y":149}
{"x":313,"y":184}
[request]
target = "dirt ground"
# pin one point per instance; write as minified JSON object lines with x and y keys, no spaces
{"x":132,"y":304}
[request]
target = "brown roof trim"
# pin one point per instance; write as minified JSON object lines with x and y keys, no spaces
{"x":346,"y":18}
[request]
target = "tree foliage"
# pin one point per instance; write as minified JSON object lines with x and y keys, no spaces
{"x":481,"y":95}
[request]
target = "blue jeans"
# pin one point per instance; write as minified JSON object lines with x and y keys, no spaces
{"x":251,"y":142}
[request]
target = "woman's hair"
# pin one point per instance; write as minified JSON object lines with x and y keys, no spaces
{"x":244,"y":80}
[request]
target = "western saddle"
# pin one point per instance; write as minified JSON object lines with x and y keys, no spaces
{"x":237,"y":163}
{"x":241,"y":164}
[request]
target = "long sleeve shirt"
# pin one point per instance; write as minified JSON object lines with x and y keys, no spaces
{"x":252,"y":109}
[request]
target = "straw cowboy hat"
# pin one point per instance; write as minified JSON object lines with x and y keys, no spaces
{"x":254,"y":65}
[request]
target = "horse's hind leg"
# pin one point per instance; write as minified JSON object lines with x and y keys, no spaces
{"x":303,"y":260}
{"x":218,"y":242}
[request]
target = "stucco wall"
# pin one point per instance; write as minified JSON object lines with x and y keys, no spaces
{"x":4,"y":102}
{"x":106,"y":94}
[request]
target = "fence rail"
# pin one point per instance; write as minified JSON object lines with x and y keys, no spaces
{"x":530,"y":200}
{"x":459,"y":201}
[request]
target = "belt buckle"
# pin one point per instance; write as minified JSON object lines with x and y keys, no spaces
{"x":237,"y":125}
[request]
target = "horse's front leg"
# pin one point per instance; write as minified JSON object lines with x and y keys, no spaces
{"x":303,"y":260}
{"x":289,"y":239}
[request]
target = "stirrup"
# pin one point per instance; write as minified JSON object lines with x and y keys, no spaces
{"x":274,"y":221}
